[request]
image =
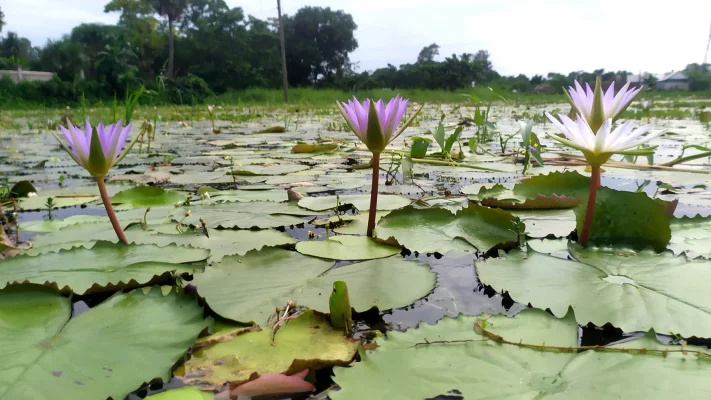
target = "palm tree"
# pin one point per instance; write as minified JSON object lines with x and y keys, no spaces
{"x":172,"y":9}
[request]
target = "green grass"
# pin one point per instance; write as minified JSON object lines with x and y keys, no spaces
{"x":323,"y":97}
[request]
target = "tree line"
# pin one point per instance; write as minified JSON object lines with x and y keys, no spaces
{"x":186,"y":50}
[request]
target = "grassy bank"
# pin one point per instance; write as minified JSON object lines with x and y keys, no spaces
{"x":322,"y":97}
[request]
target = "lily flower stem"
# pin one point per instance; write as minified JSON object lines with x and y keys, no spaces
{"x":374,"y":194}
{"x":590,"y":211}
{"x":110,"y":210}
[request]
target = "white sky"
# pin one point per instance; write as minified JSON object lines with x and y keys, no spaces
{"x":522,"y":36}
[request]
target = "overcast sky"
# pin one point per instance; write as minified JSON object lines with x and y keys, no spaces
{"x":522,"y":36}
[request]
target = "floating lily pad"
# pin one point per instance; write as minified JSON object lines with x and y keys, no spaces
{"x":221,"y":242}
{"x":248,"y":288}
{"x":552,"y":191}
{"x":635,"y":291}
{"x":246,"y":196}
{"x":276,"y":169}
{"x":54,"y":225}
{"x":453,"y":360}
{"x":347,"y":248}
{"x":103,"y":267}
{"x":107,"y":351}
{"x":386,"y":202}
{"x":542,"y":223}
{"x":184,"y":393}
{"x":146,"y":196}
{"x":59,"y":201}
{"x":314,"y":148}
{"x":308,"y":341}
{"x":691,"y":235}
{"x":241,"y":215}
{"x":439,"y":230}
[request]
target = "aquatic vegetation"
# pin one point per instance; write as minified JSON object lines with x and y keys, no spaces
{"x":240,"y":276}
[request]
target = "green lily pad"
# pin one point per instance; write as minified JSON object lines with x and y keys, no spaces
{"x":104,"y":267}
{"x":453,"y":360}
{"x":691,"y":235}
{"x":627,"y":218}
{"x":308,"y":341}
{"x":54,"y":225}
{"x":384,"y":284}
{"x":347,"y":248}
{"x":107,"y":351}
{"x":439,"y":230}
{"x":221,"y":242}
{"x":248,"y":288}
{"x":245,"y":196}
{"x":314,"y":148}
{"x":277,"y":169}
{"x":356,"y":224}
{"x":386,"y":202}
{"x":635,"y":291}
{"x":59,"y":201}
{"x":241,"y":215}
{"x":146,"y":196}
{"x":555,"y":190}
{"x":184,"y":393}
{"x":542,"y":223}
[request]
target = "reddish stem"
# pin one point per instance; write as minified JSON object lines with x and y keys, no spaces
{"x":110,"y":210}
{"x":590,"y":211}
{"x":374,"y":194}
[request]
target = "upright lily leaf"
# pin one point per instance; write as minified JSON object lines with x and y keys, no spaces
{"x":454,"y":361}
{"x":104,"y":267}
{"x":635,"y":291}
{"x":438,"y":230}
{"x":627,"y":218}
{"x":108,"y":351}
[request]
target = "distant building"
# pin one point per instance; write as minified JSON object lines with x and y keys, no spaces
{"x":20,"y":75}
{"x":673,"y":81}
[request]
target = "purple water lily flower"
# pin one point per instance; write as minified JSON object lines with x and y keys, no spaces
{"x":97,"y":158}
{"x":375,"y":124}
{"x":97,"y":150}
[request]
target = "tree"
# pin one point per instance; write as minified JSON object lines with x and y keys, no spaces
{"x":2,"y":20}
{"x":318,"y":41}
{"x":131,"y":10}
{"x":62,"y":57}
{"x":699,"y":76}
{"x":93,"y":38}
{"x":171,"y":9}
{"x":18,"y":48}
{"x":428,"y":53}
{"x":537,"y":80}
